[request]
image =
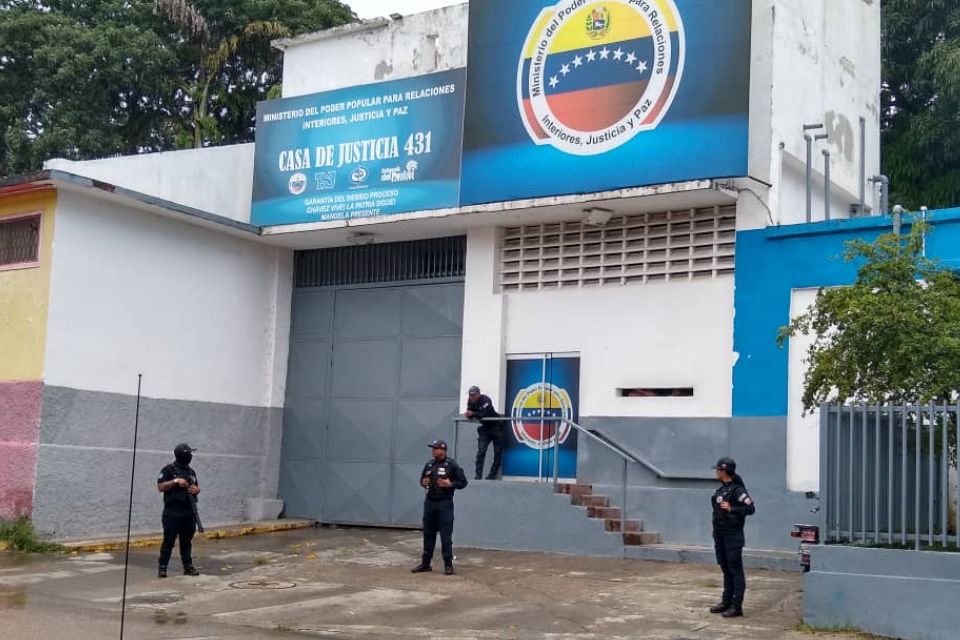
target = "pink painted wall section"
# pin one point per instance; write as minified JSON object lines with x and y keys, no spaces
{"x":20,"y":404}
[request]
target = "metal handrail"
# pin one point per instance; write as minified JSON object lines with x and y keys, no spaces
{"x":603,"y":439}
{"x":626,"y":455}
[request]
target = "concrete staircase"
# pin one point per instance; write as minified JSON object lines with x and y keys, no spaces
{"x":598,"y":508}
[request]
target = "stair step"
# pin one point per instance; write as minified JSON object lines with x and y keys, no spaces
{"x":590,"y":501}
{"x":604,"y":513}
{"x":574,"y":489}
{"x":632,"y":526}
{"x":638,"y":538}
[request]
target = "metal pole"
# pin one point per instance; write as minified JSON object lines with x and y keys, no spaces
{"x":826,"y":184}
{"x":838,"y":496}
{"x":923,"y":248}
{"x":863,"y":166}
{"x":890,"y":443}
{"x":852,"y":419}
{"x":903,"y":473}
{"x":825,"y":501}
{"x":623,"y":507}
{"x":863,"y":474}
{"x":956,"y":416}
{"x":916,"y":487}
{"x":543,"y":396}
{"x":809,"y":140}
{"x":944,"y":480}
{"x":133,"y":473}
{"x":556,"y":452}
{"x":931,"y":463}
{"x":876,"y":475}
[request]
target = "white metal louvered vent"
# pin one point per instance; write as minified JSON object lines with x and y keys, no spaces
{"x":648,"y":247}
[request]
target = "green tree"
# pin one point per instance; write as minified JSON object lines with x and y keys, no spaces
{"x":920,"y":117}
{"x":893,"y":336}
{"x":102,"y":77}
{"x":88,"y":84}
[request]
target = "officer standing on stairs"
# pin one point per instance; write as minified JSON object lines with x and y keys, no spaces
{"x":731,"y":505}
{"x":178,"y":484}
{"x":441,"y":477}
{"x":480,"y":406}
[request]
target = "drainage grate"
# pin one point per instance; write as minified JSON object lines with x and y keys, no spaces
{"x":262,"y":584}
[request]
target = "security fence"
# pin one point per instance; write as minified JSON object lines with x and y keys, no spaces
{"x":888,"y":475}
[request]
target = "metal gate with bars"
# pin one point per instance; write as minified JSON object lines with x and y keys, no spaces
{"x":373,"y":375}
{"x":888,"y":474}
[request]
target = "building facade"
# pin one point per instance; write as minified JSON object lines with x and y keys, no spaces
{"x":309,"y":349}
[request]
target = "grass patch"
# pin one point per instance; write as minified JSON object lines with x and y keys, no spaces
{"x":19,"y":535}
{"x":847,"y":629}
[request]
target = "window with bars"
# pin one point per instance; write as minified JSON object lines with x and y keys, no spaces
{"x":631,"y":249}
{"x":20,"y":241}
{"x":375,"y":263}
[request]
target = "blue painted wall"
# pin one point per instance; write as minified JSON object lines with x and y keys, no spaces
{"x":770,"y":263}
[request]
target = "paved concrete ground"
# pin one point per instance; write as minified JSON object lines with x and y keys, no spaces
{"x":355,"y":583}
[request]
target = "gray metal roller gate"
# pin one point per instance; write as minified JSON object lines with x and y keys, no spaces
{"x":374,"y":374}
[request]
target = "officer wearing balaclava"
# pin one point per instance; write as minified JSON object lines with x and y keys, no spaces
{"x":178,"y":484}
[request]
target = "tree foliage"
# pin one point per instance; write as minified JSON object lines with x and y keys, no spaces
{"x":894,"y":336}
{"x":920,"y":117}
{"x":102,"y":77}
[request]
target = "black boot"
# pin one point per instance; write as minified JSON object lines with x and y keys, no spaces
{"x":448,"y":570}
{"x":162,"y":572}
{"x":735,"y":611}
{"x":190,"y":570}
{"x":721,"y":607}
{"x":421,"y":568}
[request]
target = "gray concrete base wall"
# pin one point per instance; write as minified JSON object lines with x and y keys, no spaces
{"x":84,"y":461}
{"x":526,"y":516}
{"x":903,"y":594}
{"x":679,"y":510}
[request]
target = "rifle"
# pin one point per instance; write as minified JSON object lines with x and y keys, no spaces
{"x":196,"y":514}
{"x":193,"y":503}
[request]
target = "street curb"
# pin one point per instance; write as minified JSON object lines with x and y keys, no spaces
{"x":215,"y":533}
{"x":752,"y":558}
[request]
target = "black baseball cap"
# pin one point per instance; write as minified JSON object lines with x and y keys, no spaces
{"x":726,"y":464}
{"x":183,"y":447}
{"x":474,"y":390}
{"x":438,"y":444}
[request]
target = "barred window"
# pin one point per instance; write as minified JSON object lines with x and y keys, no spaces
{"x":20,"y":241}
{"x":630,"y":249}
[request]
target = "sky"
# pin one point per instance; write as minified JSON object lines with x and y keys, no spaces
{"x":378,"y":8}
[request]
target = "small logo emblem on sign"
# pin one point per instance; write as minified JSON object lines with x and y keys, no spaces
{"x":298,"y":184}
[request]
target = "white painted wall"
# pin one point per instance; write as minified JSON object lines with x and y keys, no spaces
{"x":657,"y":335}
{"x":483,"y":318}
{"x":826,"y":69}
{"x":203,"y":315}
{"x":216,"y":180}
{"x":803,"y":431}
{"x":419,"y":44}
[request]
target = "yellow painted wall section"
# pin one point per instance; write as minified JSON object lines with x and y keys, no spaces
{"x":25,"y":294}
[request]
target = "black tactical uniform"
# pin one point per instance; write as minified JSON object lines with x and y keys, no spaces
{"x":438,"y":507}
{"x":488,"y":433}
{"x":728,"y":539}
{"x":178,"y":518}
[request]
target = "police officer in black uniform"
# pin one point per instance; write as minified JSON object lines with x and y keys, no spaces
{"x":178,"y":484}
{"x":731,"y":505}
{"x":479,"y":407}
{"x":441,"y":477}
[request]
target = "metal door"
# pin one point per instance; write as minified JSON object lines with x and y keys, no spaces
{"x":374,"y":375}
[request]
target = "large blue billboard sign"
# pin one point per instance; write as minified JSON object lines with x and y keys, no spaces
{"x":581,"y":96}
{"x":372,"y":150}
